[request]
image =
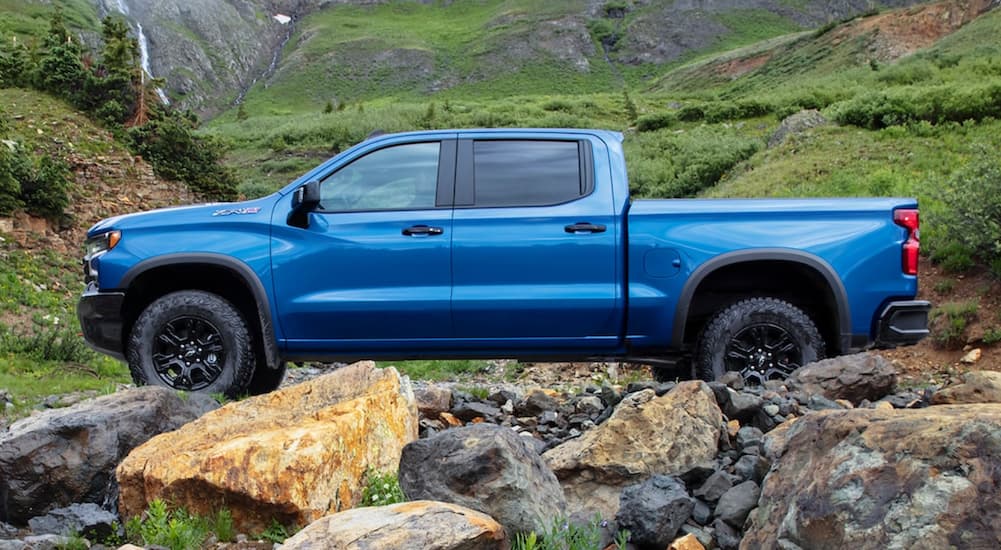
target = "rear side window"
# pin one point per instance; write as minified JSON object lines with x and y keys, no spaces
{"x":527,"y":173}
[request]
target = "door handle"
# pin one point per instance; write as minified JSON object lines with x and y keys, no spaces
{"x":584,"y":227}
{"x":415,"y":230}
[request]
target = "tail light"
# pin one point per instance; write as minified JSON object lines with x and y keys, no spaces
{"x":908,"y":219}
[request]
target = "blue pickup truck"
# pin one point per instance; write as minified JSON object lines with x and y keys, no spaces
{"x":496,"y":243}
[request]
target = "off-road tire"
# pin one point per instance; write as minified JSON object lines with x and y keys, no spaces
{"x":266,"y":380}
{"x":771,"y":315}
{"x":237,"y":364}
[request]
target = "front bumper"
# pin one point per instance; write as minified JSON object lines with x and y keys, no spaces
{"x":902,"y":323}
{"x":100,"y":315}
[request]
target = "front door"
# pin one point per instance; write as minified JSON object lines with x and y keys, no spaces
{"x":374,"y":262}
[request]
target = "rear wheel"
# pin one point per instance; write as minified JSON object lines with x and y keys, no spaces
{"x":193,"y":341}
{"x":761,"y":338}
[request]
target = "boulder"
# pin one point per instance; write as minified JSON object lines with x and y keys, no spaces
{"x":796,"y":123}
{"x":976,"y":387}
{"x":58,"y":457}
{"x":866,"y":478}
{"x":851,"y":377}
{"x":292,"y":456}
{"x":654,"y":510}
{"x":486,"y":468}
{"x":422,"y":524}
{"x":646,"y":435}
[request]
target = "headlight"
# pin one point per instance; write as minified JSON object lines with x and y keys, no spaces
{"x":102,"y":243}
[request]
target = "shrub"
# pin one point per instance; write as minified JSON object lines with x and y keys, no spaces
{"x":655,"y":121}
{"x":169,"y":144}
{"x":691,"y":113}
{"x":46,"y":192}
{"x":14,"y":164}
{"x":565,"y":535}
{"x":381,"y":489}
{"x":949,"y":323}
{"x":971,"y":226}
{"x":158,"y":526}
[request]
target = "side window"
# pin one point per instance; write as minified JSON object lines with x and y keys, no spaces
{"x":526,"y":173}
{"x":402,"y":177}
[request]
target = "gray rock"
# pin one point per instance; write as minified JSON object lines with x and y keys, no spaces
{"x":741,"y":406}
{"x":87,"y":520}
{"x":796,"y":124}
{"x":851,"y":377}
{"x":733,"y":380}
{"x":588,"y":404}
{"x":12,"y":544}
{"x":664,"y":387}
{"x":771,"y":409}
{"x":727,"y":538}
{"x":46,"y":542}
{"x":535,"y":404}
{"x":715,"y":485}
{"x":62,"y":456}
{"x":748,"y":436}
{"x":654,"y":510}
{"x":468,"y":411}
{"x":752,"y":468}
{"x":702,"y":513}
{"x":634,"y":387}
{"x":821,"y":403}
{"x":736,"y":503}
{"x":548,"y":418}
{"x":486,"y":468}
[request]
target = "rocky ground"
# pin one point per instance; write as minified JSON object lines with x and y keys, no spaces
{"x":838,"y":454}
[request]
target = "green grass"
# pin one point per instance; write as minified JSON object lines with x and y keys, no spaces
{"x":30,"y":381}
{"x":30,"y":20}
{"x":455,"y":369}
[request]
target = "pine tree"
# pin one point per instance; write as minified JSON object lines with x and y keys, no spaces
{"x":114,"y":90}
{"x":60,"y":67}
{"x":15,"y":63}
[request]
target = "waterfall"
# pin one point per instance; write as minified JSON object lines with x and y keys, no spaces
{"x":123,"y":9}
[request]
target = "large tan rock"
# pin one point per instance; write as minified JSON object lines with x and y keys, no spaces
{"x":645,"y":435}
{"x":418,"y":525}
{"x":923,"y":478}
{"x":294,"y":455}
{"x":977,"y":387}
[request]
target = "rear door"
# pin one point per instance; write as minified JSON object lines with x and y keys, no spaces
{"x":534,"y":244}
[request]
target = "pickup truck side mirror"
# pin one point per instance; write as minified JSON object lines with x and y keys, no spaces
{"x":304,"y":201}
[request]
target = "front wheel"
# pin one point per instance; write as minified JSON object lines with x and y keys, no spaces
{"x":192,"y":341}
{"x":761,"y":338}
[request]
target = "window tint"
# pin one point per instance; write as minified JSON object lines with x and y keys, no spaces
{"x":403,"y":177}
{"x":526,"y":173}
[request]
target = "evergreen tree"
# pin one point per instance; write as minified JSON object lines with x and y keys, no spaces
{"x":15,"y":63}
{"x":60,"y":67}
{"x":114,"y":90}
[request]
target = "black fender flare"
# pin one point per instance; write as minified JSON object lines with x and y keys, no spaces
{"x":238,"y":268}
{"x":811,"y":261}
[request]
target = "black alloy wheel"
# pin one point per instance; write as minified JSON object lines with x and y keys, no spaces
{"x":763,"y":352}
{"x":192,"y":340}
{"x":760,"y":338}
{"x":188,"y":353}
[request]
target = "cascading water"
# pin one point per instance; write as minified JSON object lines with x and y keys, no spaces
{"x":123,"y":9}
